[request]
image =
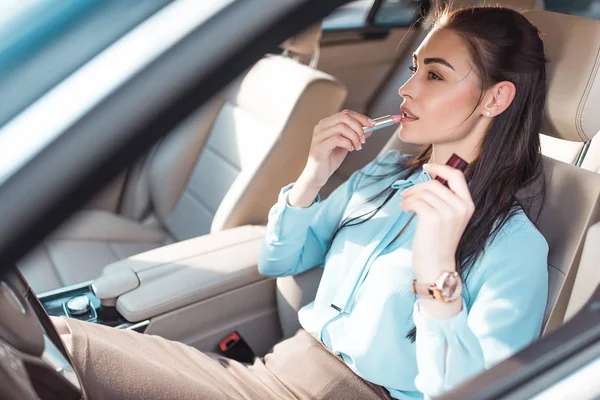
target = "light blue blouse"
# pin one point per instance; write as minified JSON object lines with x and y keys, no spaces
{"x":364,"y":308}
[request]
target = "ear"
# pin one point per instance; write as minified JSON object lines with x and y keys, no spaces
{"x":498,"y":98}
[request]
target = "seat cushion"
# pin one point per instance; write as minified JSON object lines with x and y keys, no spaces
{"x":78,"y":251}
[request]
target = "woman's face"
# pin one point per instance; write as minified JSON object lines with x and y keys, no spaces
{"x":442,"y":93}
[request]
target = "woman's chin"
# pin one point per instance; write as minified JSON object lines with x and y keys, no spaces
{"x":408,"y":135}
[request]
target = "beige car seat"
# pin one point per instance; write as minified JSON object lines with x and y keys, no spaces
{"x":572,"y":194}
{"x":223,"y":167}
{"x":587,"y":279}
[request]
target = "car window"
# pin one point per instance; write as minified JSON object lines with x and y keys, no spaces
{"x":582,"y":8}
{"x":361,"y":13}
{"x":44,"y":41}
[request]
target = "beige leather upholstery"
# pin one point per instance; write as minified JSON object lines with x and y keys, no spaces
{"x":588,"y":273}
{"x":577,"y":118}
{"x":573,"y":57}
{"x":572,"y":106}
{"x":560,"y":149}
{"x":572,"y":206}
{"x":183,"y":273}
{"x":195,"y":292}
{"x":221,"y":168}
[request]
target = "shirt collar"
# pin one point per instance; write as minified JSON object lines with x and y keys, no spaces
{"x":419,"y":176}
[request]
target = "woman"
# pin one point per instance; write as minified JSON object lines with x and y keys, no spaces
{"x":478,"y":90}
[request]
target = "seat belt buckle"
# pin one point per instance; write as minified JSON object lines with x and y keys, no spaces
{"x":235,"y":347}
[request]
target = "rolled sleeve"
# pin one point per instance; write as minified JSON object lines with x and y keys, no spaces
{"x":290,"y":222}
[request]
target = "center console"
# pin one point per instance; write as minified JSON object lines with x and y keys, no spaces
{"x":196,"y":291}
{"x":80,"y":302}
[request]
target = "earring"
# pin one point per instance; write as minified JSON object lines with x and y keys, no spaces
{"x":488,"y":114}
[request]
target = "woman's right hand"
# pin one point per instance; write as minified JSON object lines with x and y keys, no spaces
{"x":333,"y":138}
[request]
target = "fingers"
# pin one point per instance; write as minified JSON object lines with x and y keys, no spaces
{"x":455,"y":177}
{"x":353,"y":123}
{"x":435,"y":187}
{"x":353,"y":119}
{"x":439,"y":200}
{"x":419,"y":206}
{"x":347,"y":124}
{"x":341,"y":129}
{"x":363,"y":119}
{"x":339,"y":141}
{"x":433,"y":200}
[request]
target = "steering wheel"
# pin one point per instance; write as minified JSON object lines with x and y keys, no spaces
{"x":34,"y":363}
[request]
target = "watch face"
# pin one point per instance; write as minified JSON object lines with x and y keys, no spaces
{"x":450,"y":286}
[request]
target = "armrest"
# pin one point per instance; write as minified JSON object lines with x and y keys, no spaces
{"x":174,"y":276}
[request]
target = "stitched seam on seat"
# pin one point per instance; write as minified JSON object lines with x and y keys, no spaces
{"x":188,"y":293}
{"x":586,"y":93}
{"x":580,"y":242}
{"x":557,"y":269}
{"x":109,"y":245}
{"x":198,"y":199}
{"x":270,"y":154}
{"x":195,"y":255}
{"x":223,"y":157}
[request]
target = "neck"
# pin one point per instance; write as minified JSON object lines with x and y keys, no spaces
{"x":468,"y":150}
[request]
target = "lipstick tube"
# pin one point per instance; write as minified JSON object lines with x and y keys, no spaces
{"x":380,"y":123}
{"x":455,"y":162}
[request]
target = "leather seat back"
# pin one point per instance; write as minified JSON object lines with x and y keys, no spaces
{"x":572,"y":194}
{"x":224,"y":166}
{"x":588,"y":273}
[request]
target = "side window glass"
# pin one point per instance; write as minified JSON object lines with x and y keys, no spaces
{"x":582,"y":8}
{"x":397,"y":13}
{"x":350,"y":16}
{"x":363,"y":13}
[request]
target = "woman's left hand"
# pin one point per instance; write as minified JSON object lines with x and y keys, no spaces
{"x":443,"y":216}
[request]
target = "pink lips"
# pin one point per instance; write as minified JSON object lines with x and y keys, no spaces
{"x":397,"y":118}
{"x":405,"y":110}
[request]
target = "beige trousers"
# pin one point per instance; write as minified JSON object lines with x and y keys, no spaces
{"x":122,"y":364}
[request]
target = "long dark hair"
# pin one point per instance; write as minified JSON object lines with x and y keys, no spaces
{"x":503,"y":46}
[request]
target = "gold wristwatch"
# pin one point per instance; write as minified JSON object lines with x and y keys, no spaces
{"x":447,"y":288}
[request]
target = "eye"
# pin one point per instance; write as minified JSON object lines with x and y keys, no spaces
{"x":413,"y":69}
{"x":433,"y":76}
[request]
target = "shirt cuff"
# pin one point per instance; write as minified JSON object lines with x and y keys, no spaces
{"x":287,"y":221}
{"x":442,"y":326}
{"x":285,"y":193}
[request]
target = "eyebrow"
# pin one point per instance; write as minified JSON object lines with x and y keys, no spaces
{"x":435,"y":60}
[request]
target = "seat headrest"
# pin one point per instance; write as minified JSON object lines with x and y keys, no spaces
{"x":572,"y":46}
{"x":305,"y":42}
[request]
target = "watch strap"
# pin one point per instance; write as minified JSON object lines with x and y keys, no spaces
{"x":437,"y":290}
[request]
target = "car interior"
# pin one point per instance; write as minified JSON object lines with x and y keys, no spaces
{"x":153,"y":251}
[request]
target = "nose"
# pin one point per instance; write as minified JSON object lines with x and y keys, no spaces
{"x":408,"y":89}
